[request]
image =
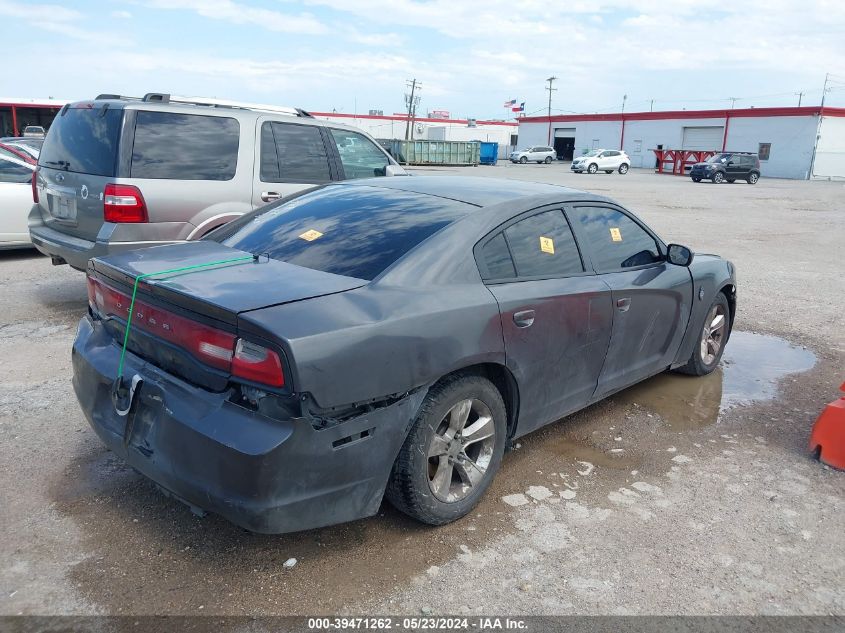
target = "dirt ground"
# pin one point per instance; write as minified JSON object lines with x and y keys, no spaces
{"x":678,"y":496}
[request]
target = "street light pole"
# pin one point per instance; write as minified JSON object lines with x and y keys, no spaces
{"x":551,"y":80}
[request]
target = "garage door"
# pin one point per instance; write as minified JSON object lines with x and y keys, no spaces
{"x":564,"y":132}
{"x":709,"y":137}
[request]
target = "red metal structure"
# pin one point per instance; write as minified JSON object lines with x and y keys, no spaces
{"x":828,"y":436}
{"x":16,"y":114}
{"x":676,"y":161}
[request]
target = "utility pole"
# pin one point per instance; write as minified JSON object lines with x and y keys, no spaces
{"x":824,"y":90}
{"x":651,"y":107}
{"x":799,"y":94}
{"x":733,"y":101}
{"x":624,"y":99}
{"x":818,"y":130}
{"x":551,"y":80}
{"x":411,"y":102}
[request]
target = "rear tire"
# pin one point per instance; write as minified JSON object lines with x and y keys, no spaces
{"x":548,"y":160}
{"x":623,"y":169}
{"x":440,"y":473}
{"x":712,"y":339}
{"x":753,"y":178}
{"x":593,"y":168}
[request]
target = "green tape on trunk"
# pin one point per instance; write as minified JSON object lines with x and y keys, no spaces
{"x":182,"y":269}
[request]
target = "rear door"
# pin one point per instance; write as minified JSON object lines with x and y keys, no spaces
{"x":289,"y":157}
{"x":556,"y":316}
{"x":651,"y":298}
{"x":15,"y":200}
{"x":78,"y":158}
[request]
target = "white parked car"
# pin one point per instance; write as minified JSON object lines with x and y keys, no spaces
{"x":15,"y":202}
{"x":606,"y":160}
{"x":537,"y":154}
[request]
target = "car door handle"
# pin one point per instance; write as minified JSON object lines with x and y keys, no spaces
{"x":524,"y":318}
{"x":269,"y":196}
{"x":623,"y":304}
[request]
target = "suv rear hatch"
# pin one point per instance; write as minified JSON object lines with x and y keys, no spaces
{"x":79,"y":157}
{"x":186,"y":323}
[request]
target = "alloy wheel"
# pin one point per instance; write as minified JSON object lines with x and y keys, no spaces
{"x":713,"y":336}
{"x":461,"y":450}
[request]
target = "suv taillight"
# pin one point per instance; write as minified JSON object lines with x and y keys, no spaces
{"x":123,"y":203}
{"x":34,"y":187}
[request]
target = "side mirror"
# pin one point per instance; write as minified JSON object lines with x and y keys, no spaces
{"x":679,"y":255}
{"x":394,"y":170}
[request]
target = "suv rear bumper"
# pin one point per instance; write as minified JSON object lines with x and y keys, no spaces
{"x":76,"y":251}
{"x":266,"y":475}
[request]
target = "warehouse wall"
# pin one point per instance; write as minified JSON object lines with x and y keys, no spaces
{"x":791,"y":138}
{"x":643,"y":136}
{"x":830,"y":155}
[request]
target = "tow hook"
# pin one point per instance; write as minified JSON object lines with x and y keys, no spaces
{"x":122,"y":397}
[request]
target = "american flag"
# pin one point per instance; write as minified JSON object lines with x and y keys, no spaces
{"x":509,"y":104}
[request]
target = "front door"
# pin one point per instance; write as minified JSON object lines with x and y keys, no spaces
{"x":651,"y":299}
{"x":556,"y":318}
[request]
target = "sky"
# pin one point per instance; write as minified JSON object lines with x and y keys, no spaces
{"x":470,"y":57}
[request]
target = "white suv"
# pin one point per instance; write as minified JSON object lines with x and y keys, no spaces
{"x":606,"y":160}
{"x":537,"y":154}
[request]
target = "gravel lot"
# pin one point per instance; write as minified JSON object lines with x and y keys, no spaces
{"x":676,"y":496}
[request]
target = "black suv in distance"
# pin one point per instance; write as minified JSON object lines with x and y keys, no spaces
{"x":728,"y":166}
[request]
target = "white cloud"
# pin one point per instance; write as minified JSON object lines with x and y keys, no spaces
{"x":240,"y":13}
{"x":121,"y":15}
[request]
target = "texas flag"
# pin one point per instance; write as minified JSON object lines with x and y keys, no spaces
{"x":518,"y":108}
{"x":510,"y":104}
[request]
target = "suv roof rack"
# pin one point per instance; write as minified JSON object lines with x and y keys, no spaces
{"x":161,"y":97}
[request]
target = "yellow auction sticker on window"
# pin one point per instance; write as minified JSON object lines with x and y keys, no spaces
{"x":547,"y":245}
{"x":310,"y":236}
{"x":615,"y":234}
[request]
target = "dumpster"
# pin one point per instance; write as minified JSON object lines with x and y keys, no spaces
{"x":451,"y":153}
{"x":488,"y":153}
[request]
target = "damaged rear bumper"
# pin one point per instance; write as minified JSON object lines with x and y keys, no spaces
{"x":266,"y":475}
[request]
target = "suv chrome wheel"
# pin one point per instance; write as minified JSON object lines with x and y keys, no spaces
{"x":753,"y":178}
{"x":718,"y":177}
{"x":713,"y":334}
{"x":461,"y":450}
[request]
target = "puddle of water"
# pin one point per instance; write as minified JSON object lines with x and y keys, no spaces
{"x":749,"y":372}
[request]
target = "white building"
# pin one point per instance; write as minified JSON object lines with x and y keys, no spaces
{"x":393,"y":127}
{"x":785,"y":138}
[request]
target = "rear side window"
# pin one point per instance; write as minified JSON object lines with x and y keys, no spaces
{"x":83,"y":140}
{"x":359,"y":155}
{"x":497,"y":259}
{"x":616,"y":242}
{"x":12,"y":172}
{"x":184,"y":146}
{"x":343,"y":229}
{"x":293,"y":153}
{"x":542,"y":246}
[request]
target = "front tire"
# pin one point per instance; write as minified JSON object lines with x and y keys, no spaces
{"x":718,"y":178}
{"x":712,"y":339}
{"x":623,"y":169}
{"x":452,"y":452}
{"x":593,"y":168}
{"x":523,"y":160}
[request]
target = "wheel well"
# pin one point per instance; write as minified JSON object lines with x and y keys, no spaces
{"x":729,"y":290}
{"x":503,"y":380}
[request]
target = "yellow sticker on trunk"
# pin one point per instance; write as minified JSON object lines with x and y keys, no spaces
{"x":616,"y":234}
{"x":547,"y":245}
{"x":310,"y":236}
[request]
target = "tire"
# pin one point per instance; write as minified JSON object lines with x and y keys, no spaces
{"x":696,"y":179}
{"x":593,"y":168}
{"x":705,"y":358}
{"x":523,"y":160}
{"x":718,"y":177}
{"x":753,"y":177}
{"x":548,"y":160}
{"x":623,"y":168}
{"x":413,"y":487}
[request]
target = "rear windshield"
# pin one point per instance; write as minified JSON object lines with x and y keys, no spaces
{"x":346,"y":230}
{"x":83,"y":140}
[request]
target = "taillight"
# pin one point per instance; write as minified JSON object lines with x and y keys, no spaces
{"x":34,"y":187}
{"x":258,"y":364}
{"x":123,"y":203}
{"x":207,"y":344}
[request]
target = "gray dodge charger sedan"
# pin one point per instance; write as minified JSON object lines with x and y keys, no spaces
{"x":384,"y":337}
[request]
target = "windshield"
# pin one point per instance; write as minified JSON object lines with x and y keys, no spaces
{"x":718,"y":158}
{"x":594,"y":152}
{"x":83,"y":140}
{"x":346,"y":230}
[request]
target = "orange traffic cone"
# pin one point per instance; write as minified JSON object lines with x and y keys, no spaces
{"x":828,"y":437}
